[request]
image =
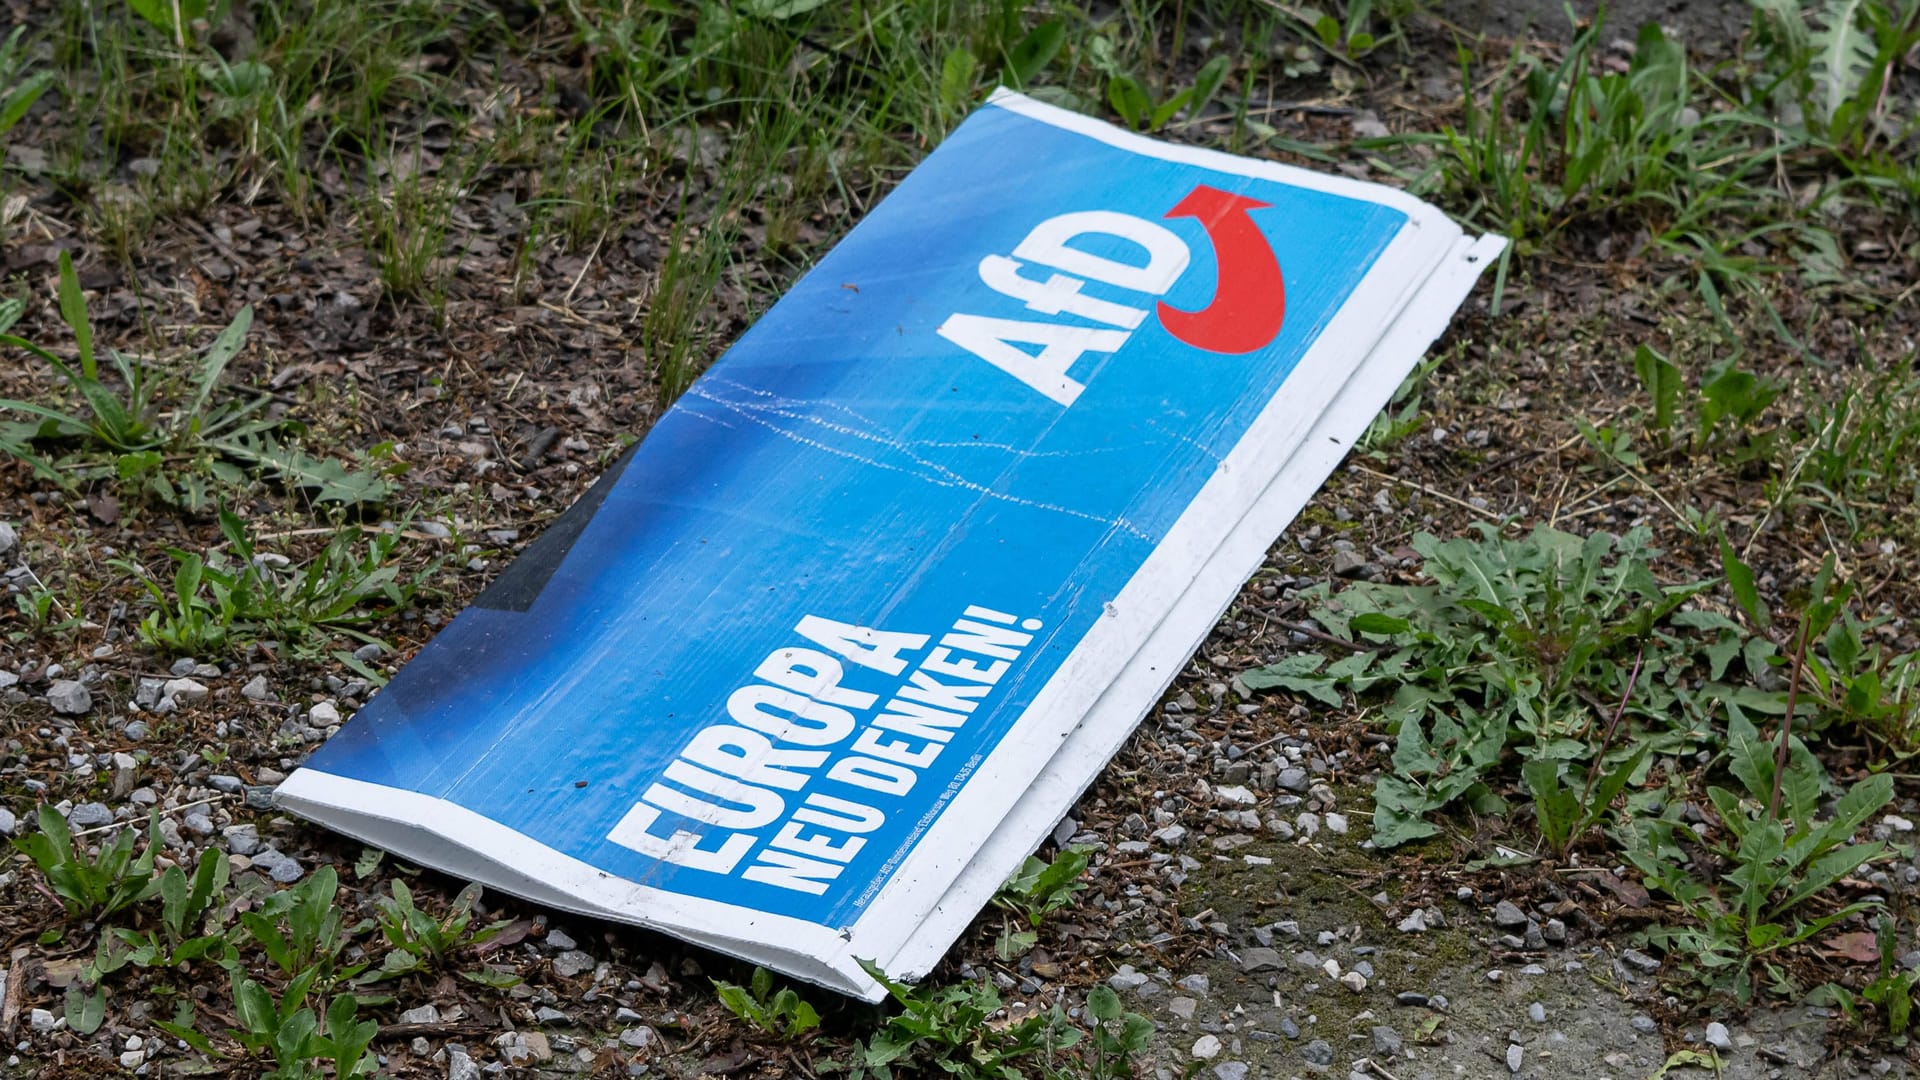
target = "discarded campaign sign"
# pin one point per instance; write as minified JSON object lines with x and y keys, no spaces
{"x":813,"y":668}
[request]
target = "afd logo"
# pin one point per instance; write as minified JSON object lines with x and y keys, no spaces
{"x":1249,"y":300}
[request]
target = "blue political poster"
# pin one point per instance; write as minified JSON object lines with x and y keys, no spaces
{"x":821,"y":658}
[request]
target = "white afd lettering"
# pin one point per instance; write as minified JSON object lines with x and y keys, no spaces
{"x":1000,"y":341}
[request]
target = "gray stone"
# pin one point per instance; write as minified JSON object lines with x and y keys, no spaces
{"x":571,"y":963}
{"x":280,"y":867}
{"x":41,"y":1021}
{"x":89,"y":815}
{"x":1231,"y":1070}
{"x":1196,"y":984}
{"x":1555,"y":932}
{"x":1318,"y":1052}
{"x":69,"y":697}
{"x":1366,"y":125}
{"x":323,"y":712}
{"x":1206,"y":1048}
{"x":1295,"y":779}
{"x":1640,"y":960}
{"x":1259,"y":959}
{"x":1288,"y":1028}
{"x":136,"y":730}
{"x":639,"y":1038}
{"x":559,"y":939}
{"x":425,"y":1014}
{"x":7,"y":822}
{"x":256,"y":689}
{"x":184,"y":691}
{"x":9,"y":540}
{"x":230,"y":785}
{"x":547,"y":1014}
{"x":242,"y":839}
{"x":1386,"y":1041}
{"x":184,"y":666}
{"x":1182,"y":1007}
{"x":460,"y":1065}
{"x":199,"y":823}
{"x":1515,"y":1056}
{"x":1415,"y":923}
{"x":1412,"y":999}
{"x":1508,"y":916}
{"x":259,"y":797}
{"x":1537,"y":1013}
{"x":1718,"y":1038}
{"x":1337,"y":824}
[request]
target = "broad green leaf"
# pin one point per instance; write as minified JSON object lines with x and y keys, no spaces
{"x":73,"y":308}
{"x":1661,"y":379}
{"x":957,"y":74}
{"x":1830,"y":868}
{"x":1035,"y":51}
{"x":213,"y":362}
{"x":1129,"y":99}
{"x":1207,"y":83}
{"x":1740,"y":583}
{"x":85,"y":1011}
{"x":14,"y":106}
{"x":1378,"y":624}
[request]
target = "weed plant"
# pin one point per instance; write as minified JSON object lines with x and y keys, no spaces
{"x":173,"y":436}
{"x":217,"y":601}
{"x":91,"y":885}
{"x":784,"y":1013}
{"x":1507,"y":650}
{"x":1756,"y":887}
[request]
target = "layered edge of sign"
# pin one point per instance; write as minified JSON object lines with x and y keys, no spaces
{"x":1400,"y":275}
{"x":433,"y":831}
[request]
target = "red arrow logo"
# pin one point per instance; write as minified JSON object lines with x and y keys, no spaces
{"x":1249,"y":297}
